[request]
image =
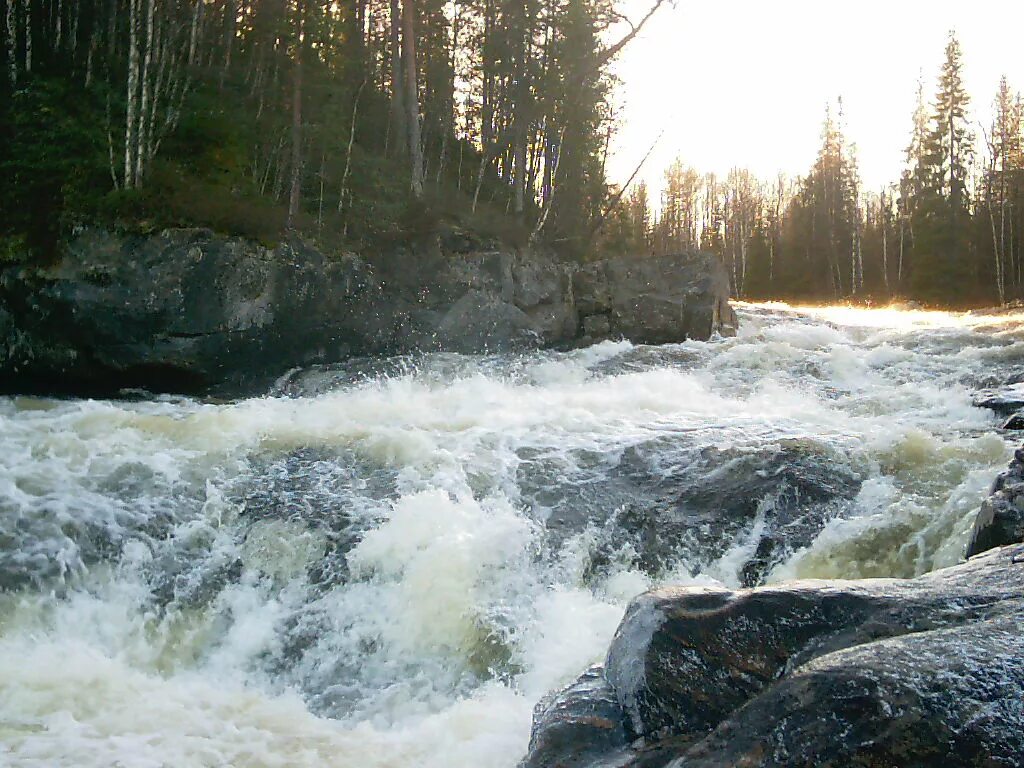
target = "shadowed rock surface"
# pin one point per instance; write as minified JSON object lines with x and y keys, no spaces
{"x":1001,"y":518}
{"x":191,"y":311}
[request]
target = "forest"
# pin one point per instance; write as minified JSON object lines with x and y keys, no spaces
{"x":949,"y":231}
{"x":359,"y":123}
{"x":350,"y":121}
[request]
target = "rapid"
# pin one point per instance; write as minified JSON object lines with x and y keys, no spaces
{"x":388,"y":563}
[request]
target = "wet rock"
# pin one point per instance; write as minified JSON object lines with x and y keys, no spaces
{"x":1000,"y":520}
{"x":189,"y":311}
{"x":1015,"y":422}
{"x":579,"y":725}
{"x":880,"y":672}
{"x":945,"y":697}
{"x":669,"y":502}
{"x":1004,"y":401}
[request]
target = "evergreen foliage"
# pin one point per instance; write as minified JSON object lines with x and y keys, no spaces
{"x":353,"y":122}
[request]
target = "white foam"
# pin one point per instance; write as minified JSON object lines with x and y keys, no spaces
{"x":453,"y":618}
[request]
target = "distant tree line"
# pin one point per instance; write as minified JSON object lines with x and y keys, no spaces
{"x":333,"y":110}
{"x":951,"y":230}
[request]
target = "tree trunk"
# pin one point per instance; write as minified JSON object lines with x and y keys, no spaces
{"x":193,"y":38}
{"x":229,"y":35}
{"x":412,"y":101}
{"x":294,"y":196}
{"x":131,"y":123}
{"x":144,"y":107}
{"x":397,"y":110}
{"x":12,"y":38}
{"x":27,"y":10}
{"x":59,"y":26}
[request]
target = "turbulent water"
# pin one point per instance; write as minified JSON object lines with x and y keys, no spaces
{"x":388,"y":564}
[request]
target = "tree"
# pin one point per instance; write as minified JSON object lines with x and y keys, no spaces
{"x":942,"y":235}
{"x":295,"y":193}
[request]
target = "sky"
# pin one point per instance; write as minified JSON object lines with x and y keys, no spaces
{"x":745,"y":83}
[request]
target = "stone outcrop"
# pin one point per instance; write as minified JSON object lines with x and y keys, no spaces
{"x":879,"y":672}
{"x":1001,"y":518}
{"x":191,"y":311}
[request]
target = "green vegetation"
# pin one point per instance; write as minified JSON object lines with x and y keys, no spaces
{"x":355,"y":123}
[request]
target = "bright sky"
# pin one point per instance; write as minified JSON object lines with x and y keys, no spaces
{"x":745,"y":83}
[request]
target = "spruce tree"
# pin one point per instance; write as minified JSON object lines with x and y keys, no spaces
{"x":942,"y":239}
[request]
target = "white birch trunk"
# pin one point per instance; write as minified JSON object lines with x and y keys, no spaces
{"x":131,"y":122}
{"x":193,"y":36}
{"x":144,"y":110}
{"x":12,"y":42}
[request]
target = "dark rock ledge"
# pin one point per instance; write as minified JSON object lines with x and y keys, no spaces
{"x":190,"y":311}
{"x":876,"y":673}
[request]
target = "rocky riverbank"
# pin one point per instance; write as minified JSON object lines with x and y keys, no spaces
{"x":878,"y":672}
{"x":191,"y":311}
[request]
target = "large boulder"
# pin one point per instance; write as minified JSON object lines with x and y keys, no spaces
{"x":952,"y":697}
{"x":657,"y":300}
{"x":190,"y":311}
{"x":879,"y":672}
{"x":1001,"y":518}
{"x":581,"y":725}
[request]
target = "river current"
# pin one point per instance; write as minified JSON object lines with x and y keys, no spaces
{"x":387,"y":563}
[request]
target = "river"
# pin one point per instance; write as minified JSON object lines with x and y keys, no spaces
{"x":388,"y":563}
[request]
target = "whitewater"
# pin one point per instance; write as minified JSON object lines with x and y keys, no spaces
{"x":388,"y":563}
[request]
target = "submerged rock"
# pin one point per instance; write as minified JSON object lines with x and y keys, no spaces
{"x":669,"y":502}
{"x":882,"y":672}
{"x":190,"y":311}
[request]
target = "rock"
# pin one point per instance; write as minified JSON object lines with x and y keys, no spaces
{"x":1004,"y":402}
{"x":597,"y":326}
{"x":579,"y":725}
{"x":183,"y":311}
{"x":1015,"y":422}
{"x":945,"y":697}
{"x":189,"y":311}
{"x":881,"y":672}
{"x":482,"y":322}
{"x":1000,"y":520}
{"x":668,"y":502}
{"x":657,"y":300}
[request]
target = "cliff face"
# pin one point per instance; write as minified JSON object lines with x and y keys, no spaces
{"x":190,"y":311}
